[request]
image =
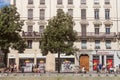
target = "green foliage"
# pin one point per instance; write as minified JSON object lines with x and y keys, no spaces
{"x":10,"y":27}
{"x":19,"y":46}
{"x":59,"y":35}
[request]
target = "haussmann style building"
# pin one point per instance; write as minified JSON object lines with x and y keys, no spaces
{"x":97,"y":23}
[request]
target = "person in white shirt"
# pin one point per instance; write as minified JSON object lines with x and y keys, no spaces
{"x":83,"y":70}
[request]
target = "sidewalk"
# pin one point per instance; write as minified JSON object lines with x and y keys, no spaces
{"x":90,"y":74}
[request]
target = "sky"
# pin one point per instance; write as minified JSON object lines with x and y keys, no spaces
{"x":4,"y":3}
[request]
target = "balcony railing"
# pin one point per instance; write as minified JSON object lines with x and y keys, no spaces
{"x":93,"y":35}
{"x":31,"y":34}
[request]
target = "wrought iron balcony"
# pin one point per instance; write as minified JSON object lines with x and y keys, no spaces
{"x":99,"y":35}
{"x":31,"y":35}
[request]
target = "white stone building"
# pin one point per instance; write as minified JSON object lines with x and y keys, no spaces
{"x":96,"y":21}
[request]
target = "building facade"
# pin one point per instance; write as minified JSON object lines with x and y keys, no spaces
{"x":97,"y":23}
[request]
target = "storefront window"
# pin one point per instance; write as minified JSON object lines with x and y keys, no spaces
{"x":109,"y":61}
{"x":66,"y":64}
{"x":41,"y":64}
{"x":26,"y":64}
{"x":95,"y":61}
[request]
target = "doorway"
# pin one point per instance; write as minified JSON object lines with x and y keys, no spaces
{"x":84,"y":61}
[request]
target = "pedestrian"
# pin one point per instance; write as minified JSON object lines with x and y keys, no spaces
{"x":15,"y":67}
{"x":83,"y":70}
{"x":98,"y":70}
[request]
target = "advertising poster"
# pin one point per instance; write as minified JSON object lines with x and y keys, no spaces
{"x":4,"y":3}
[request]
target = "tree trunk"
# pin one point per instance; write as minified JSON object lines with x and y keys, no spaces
{"x":5,"y":59}
{"x":59,"y":62}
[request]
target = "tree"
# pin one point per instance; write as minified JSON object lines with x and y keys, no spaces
{"x":59,"y":36}
{"x":10,"y":27}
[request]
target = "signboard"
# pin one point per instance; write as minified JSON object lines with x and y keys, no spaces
{"x":4,"y":3}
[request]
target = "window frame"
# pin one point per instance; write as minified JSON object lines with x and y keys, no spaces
{"x":70,"y":12}
{"x":70,"y":2}
{"x":107,"y":13}
{"x":30,"y":28}
{"x":42,"y":14}
{"x":108,"y":44}
{"x":84,"y":44}
{"x":96,"y":13}
{"x":83,"y":1}
{"x":30,"y":2}
{"x":97,"y":30}
{"x":97,"y":44}
{"x":30,"y":14}
{"x":107,"y":1}
{"x":83,"y":13}
{"x":96,"y":1}
{"x":29,"y":44}
{"x":42,"y":2}
{"x":59,"y":2}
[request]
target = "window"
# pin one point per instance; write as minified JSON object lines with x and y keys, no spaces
{"x":96,"y":1}
{"x":30,"y":1}
{"x":108,"y":44}
{"x":97,"y":44}
{"x":107,"y":1}
{"x":95,"y":61}
{"x":107,"y":13}
{"x":96,"y":13}
{"x":84,"y":44}
{"x":83,"y":30}
{"x":109,"y":61}
{"x":30,"y":13}
{"x":59,"y":2}
{"x":83,"y":1}
{"x":42,"y":2}
{"x":107,"y":30}
{"x":30,"y":28}
{"x":29,"y":44}
{"x":41,"y":29}
{"x":42,"y":14}
{"x":70,"y":12}
{"x":70,"y":1}
{"x":83,"y":13}
{"x":96,"y":30}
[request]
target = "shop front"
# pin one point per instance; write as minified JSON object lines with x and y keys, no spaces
{"x":67,"y":63}
{"x":91,"y":59}
{"x":26,"y":64}
{"x":103,"y":58}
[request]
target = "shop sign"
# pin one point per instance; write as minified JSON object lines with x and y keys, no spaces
{"x":102,"y":52}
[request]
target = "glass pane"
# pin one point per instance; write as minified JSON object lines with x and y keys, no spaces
{"x":83,"y":13}
{"x":70,"y":12}
{"x":42,"y":2}
{"x":83,"y":1}
{"x":59,"y":2}
{"x":42,"y":14}
{"x":70,"y":1}
{"x":30,"y":1}
{"x":30,"y":13}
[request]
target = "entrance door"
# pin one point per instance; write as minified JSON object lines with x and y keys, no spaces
{"x":84,"y":61}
